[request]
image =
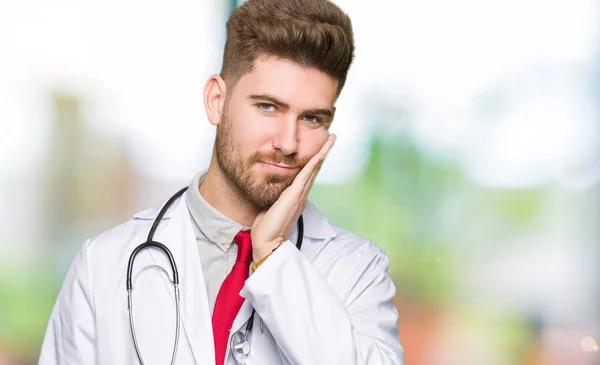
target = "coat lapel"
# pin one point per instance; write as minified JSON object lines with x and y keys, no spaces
{"x":178,"y":235}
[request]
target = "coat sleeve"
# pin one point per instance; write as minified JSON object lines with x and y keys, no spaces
{"x":314,"y":325}
{"x":70,"y":335}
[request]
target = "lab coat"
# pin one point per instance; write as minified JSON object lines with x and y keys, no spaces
{"x":330,"y":303}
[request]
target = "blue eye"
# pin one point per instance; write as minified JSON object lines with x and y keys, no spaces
{"x":266,"y":107}
{"x":312,"y":119}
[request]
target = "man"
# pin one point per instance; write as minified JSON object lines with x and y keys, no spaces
{"x":284,"y":65}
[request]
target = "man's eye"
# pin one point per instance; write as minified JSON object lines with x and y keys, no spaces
{"x":266,"y":107}
{"x":312,"y":119}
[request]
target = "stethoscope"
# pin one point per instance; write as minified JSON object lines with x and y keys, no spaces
{"x":239,"y":344}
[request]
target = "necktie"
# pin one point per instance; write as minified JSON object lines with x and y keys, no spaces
{"x":229,"y":302}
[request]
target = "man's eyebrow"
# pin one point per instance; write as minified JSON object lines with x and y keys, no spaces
{"x":270,"y":98}
{"x":325,"y":112}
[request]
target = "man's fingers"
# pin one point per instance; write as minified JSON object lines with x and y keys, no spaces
{"x":306,"y":173}
{"x":306,"y":188}
{"x":315,"y":170}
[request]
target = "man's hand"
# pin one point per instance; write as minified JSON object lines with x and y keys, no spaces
{"x":271,"y":227}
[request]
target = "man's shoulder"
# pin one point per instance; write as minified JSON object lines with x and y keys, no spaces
{"x":355,"y":242}
{"x":346,"y":259}
{"x":132,"y":230}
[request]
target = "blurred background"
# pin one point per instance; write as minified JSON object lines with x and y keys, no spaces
{"x":468,"y":148}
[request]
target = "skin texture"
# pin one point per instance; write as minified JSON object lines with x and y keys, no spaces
{"x":272,"y":138}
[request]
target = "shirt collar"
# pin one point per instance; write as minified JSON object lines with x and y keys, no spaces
{"x":213,"y":224}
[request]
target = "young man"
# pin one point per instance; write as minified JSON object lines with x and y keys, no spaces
{"x":284,"y":65}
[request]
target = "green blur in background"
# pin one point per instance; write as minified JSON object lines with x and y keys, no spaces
{"x":474,"y":146}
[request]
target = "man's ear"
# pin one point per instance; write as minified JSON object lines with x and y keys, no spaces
{"x":215,"y":93}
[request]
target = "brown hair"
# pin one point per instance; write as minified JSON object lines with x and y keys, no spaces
{"x":312,"y":33}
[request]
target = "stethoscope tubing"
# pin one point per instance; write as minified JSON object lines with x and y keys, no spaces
{"x":151,"y":243}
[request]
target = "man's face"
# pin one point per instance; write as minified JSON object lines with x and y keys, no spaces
{"x":275,"y":119}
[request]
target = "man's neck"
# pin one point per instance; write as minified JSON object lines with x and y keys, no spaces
{"x":221,"y":194}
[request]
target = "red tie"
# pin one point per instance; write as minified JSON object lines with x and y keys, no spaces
{"x":228,"y":301}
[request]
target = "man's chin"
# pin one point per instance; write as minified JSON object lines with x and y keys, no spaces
{"x":266,"y":194}
{"x":263,"y":199}
{"x":265,"y":187}
{"x":269,"y":179}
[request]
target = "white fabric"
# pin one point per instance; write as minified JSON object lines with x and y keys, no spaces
{"x":329,"y":304}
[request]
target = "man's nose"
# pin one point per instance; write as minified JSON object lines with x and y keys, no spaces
{"x":286,"y":136}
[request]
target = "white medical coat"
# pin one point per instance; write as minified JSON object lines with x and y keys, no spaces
{"x":330,"y":303}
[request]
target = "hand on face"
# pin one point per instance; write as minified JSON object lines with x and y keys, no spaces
{"x":271,"y":227}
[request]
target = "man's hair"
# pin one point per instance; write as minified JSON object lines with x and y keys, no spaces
{"x":312,"y":33}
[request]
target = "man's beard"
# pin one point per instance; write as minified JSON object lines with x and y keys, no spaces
{"x":261,"y":190}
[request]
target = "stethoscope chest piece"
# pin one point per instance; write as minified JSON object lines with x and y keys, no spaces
{"x":240,"y":347}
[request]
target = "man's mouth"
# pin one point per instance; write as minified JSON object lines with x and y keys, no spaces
{"x":281,"y":166}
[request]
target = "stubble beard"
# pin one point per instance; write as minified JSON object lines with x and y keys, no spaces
{"x":262,"y":190}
